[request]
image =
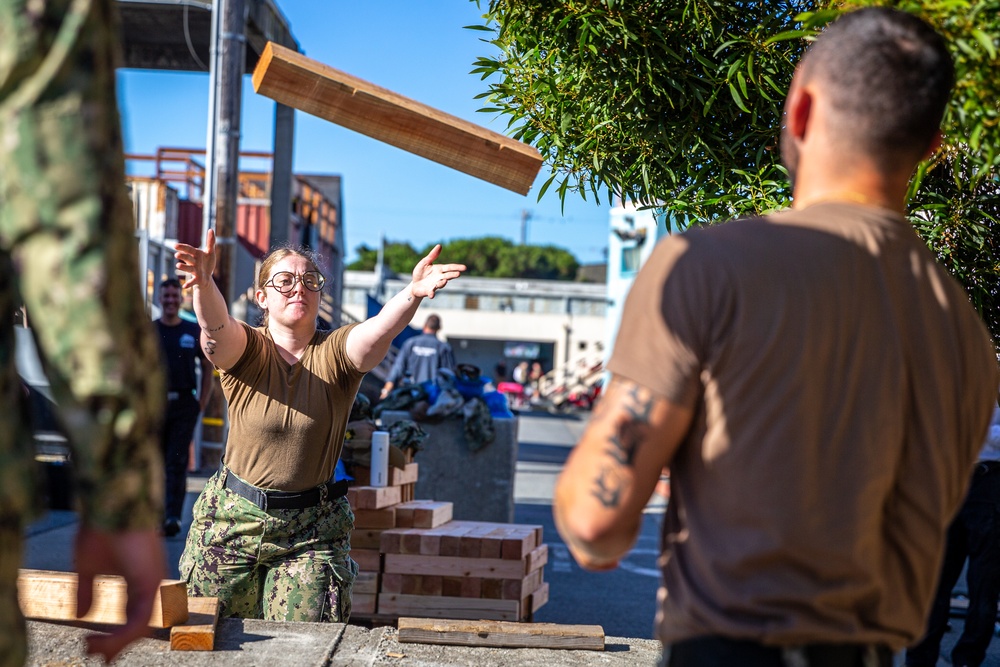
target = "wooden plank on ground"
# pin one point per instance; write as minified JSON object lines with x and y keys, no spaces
{"x":373,"y":497}
{"x":305,"y":84}
{"x":448,"y":607}
{"x":198,"y":633}
{"x":423,"y":513}
{"x":501,"y":634}
{"x":49,"y":595}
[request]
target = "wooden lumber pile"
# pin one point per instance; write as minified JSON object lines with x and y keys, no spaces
{"x":415,"y":561}
{"x":464,"y":570}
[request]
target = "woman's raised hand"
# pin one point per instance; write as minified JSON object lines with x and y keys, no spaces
{"x":198,"y":264}
{"x":429,"y":277}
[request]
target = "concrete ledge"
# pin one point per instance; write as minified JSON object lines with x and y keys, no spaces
{"x":481,"y":483}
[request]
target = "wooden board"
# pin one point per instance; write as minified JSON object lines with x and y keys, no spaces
{"x":501,"y":634}
{"x":448,"y":607}
{"x":366,"y":583}
{"x":383,"y":518}
{"x":305,"y":84}
{"x":368,"y":560}
{"x":366,"y":538}
{"x":373,"y":497}
{"x":447,"y":566}
{"x":539,"y":597}
{"x":198,"y":633}
{"x":423,"y":513}
{"x":48,"y":595}
{"x":407,"y":475}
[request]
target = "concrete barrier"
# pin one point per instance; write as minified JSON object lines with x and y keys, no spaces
{"x":481,"y":483}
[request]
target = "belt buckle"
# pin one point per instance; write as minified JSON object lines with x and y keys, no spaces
{"x":262,"y":499}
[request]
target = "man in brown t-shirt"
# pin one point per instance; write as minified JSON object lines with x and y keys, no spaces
{"x":818,"y":386}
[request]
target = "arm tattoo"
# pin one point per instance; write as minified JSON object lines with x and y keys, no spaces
{"x":627,"y":432}
{"x":218,"y":328}
{"x":608,"y":488}
{"x":631,"y":429}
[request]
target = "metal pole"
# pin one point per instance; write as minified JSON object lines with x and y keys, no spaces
{"x":209,"y":186}
{"x":228,"y":92}
{"x":281,"y":174}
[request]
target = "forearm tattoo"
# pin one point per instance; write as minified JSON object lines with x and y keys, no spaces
{"x":209,"y":346}
{"x":629,"y":428}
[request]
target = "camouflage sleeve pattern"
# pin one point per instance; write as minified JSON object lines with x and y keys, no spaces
{"x":66,"y":224}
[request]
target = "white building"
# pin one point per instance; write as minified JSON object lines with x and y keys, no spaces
{"x":559,"y":323}
{"x":631,"y":240}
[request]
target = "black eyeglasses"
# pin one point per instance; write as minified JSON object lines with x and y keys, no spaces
{"x":284,"y":281}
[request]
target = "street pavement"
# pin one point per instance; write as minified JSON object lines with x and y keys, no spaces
{"x":621,"y":601}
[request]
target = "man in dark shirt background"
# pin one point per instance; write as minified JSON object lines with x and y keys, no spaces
{"x":179,"y":344}
{"x":421,"y":357}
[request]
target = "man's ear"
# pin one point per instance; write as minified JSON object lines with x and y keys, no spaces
{"x":261,"y":299}
{"x":798,"y":110}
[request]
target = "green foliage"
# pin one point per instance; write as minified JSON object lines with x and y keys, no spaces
{"x":655,"y":101}
{"x":486,"y":257}
{"x":399,"y":257}
{"x":677,"y":103}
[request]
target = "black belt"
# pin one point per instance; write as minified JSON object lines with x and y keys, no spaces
{"x":284,"y":500}
{"x":717,"y":650}
{"x":986,"y":468}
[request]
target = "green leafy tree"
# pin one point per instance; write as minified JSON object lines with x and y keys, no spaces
{"x":487,"y":257}
{"x":399,"y":257}
{"x":678,"y":103}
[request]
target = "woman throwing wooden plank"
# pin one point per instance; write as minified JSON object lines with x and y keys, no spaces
{"x":271,"y":530}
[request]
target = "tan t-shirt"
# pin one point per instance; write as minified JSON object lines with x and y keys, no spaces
{"x":842,"y":385}
{"x":287,"y":423}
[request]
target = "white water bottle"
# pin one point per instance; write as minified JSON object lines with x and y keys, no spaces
{"x":379,"y":475}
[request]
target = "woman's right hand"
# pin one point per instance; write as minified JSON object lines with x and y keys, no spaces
{"x":199,"y":265}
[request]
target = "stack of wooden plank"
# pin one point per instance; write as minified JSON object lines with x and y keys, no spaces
{"x":464,"y":570}
{"x":415,"y":561}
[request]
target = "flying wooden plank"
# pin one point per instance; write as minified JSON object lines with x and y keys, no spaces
{"x":198,"y":634}
{"x":305,"y":84}
{"x":501,"y":634}
{"x":51,"y":596}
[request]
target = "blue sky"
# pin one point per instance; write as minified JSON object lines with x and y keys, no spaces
{"x":416,"y":48}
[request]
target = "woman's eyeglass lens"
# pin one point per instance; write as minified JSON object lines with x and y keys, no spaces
{"x":284,"y":282}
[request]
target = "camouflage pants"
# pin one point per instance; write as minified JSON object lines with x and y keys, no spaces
{"x":279,"y":565}
{"x":68,"y":252}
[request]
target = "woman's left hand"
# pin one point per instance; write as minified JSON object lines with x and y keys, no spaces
{"x":429,"y":277}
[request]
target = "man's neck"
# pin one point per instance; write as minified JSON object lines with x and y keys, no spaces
{"x":861,"y":184}
{"x":170,"y":320}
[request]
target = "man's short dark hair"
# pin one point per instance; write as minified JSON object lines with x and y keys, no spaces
{"x":889,"y":76}
{"x":171,"y":282}
{"x":433,"y":323}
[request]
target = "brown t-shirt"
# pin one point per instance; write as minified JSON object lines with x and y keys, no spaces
{"x":842,"y":385}
{"x":287,"y":423}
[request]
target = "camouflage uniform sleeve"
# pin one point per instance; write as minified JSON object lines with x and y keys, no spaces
{"x":66,"y":209}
